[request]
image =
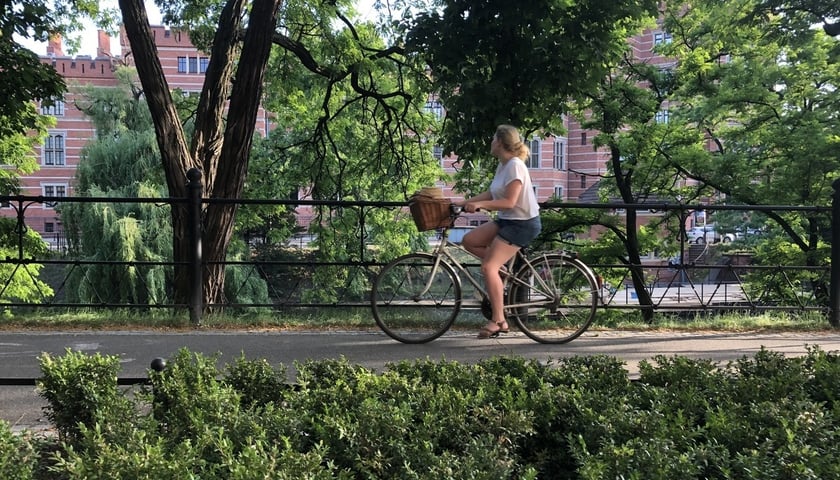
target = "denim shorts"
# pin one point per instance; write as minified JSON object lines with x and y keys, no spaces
{"x":519,"y":232}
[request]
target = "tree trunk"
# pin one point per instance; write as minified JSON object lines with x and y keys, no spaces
{"x":631,"y":241}
{"x":637,"y":273}
{"x":168,"y":129}
{"x":223,"y":160}
{"x":229,"y":181}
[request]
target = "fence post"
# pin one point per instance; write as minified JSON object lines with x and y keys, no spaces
{"x":834,"y":292}
{"x":194,"y":190}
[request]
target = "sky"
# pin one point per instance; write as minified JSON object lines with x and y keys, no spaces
{"x":89,"y":37}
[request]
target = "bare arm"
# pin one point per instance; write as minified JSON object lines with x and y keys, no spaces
{"x":486,"y":202}
{"x":480,"y":197}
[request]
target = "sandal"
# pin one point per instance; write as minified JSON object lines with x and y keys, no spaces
{"x":486,"y":333}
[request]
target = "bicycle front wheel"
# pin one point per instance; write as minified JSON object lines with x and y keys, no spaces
{"x":415,"y":298}
{"x":554,"y":299}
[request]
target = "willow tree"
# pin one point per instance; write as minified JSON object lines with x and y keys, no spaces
{"x":240,"y":39}
{"x":121,"y":161}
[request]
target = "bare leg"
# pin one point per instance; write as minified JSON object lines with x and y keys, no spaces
{"x":496,"y":255}
{"x":478,"y":240}
{"x":493,"y":252}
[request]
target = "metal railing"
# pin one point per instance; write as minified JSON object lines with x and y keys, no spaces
{"x":676,"y":286}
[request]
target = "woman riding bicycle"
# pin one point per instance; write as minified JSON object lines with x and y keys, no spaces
{"x":516,"y":225}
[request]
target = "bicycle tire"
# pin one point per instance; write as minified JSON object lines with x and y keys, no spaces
{"x":401,"y":307}
{"x":561,"y":303}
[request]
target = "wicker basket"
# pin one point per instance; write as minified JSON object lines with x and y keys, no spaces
{"x":430,"y":213}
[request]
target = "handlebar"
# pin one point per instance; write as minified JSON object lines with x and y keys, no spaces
{"x":456,"y":210}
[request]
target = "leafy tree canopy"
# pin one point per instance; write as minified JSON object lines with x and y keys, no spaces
{"x":498,"y":61}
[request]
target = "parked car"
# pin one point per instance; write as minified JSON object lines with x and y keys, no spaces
{"x":702,"y":234}
{"x":708,"y":234}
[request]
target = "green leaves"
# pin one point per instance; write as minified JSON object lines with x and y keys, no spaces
{"x":762,"y":417}
{"x":506,"y":62}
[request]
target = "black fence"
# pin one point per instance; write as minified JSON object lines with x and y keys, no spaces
{"x":696,"y":279}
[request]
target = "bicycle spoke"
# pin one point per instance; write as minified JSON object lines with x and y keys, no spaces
{"x":554,"y":299}
{"x":414,"y":299}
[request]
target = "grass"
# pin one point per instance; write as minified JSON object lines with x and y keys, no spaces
{"x":360,"y":318}
{"x":719,"y":321}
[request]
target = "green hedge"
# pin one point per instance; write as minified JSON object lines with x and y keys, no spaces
{"x":764,"y":417}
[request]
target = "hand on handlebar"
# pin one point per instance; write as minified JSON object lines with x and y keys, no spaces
{"x":470,"y":207}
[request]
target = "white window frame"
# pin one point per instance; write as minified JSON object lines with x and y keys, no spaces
{"x":662,"y":37}
{"x":54,"y":150}
{"x":435,"y":108}
{"x":437,"y":152}
{"x":559,"y":154}
{"x":53,"y":190}
{"x":55,"y":110}
{"x":534,"y":158}
{"x":662,"y":116}
{"x":558,"y":192}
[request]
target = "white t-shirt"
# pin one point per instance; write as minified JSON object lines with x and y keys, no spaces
{"x":526,"y":206}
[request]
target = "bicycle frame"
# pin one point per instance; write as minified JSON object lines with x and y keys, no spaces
{"x":443,"y":252}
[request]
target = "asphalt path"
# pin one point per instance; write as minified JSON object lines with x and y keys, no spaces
{"x":22,"y":407}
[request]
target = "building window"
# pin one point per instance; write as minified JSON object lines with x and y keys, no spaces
{"x":54,"y":107}
{"x":583,"y":181}
{"x":437,"y":151}
{"x":53,"y":152}
{"x":49,"y":227}
{"x":534,"y":158}
{"x":558,"y":192}
{"x":660,"y":38}
{"x":203,"y":62}
{"x":583,"y":138}
{"x":662,"y":116}
{"x":559,"y":154}
{"x":435,"y":108}
{"x":193,"y":61}
{"x":182,"y":64}
{"x":53,"y":190}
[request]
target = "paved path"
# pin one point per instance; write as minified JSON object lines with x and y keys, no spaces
{"x":19,"y":351}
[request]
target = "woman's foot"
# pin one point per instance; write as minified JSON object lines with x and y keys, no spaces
{"x":491,"y":332}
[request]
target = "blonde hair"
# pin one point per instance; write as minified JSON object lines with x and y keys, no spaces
{"x":509,"y":137}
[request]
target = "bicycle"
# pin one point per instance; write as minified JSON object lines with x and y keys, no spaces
{"x":551,"y":296}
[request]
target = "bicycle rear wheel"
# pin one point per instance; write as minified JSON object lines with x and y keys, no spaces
{"x":415,"y":298}
{"x":555,"y":301}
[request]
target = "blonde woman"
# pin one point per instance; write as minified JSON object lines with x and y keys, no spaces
{"x":516,"y":225}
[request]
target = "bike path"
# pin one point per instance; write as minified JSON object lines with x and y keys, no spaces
{"x":19,"y":351}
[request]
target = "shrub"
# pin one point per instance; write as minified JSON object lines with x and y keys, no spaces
{"x":81,"y":390}
{"x":767,"y":417}
{"x":17,"y":455}
{"x":256,"y":381}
